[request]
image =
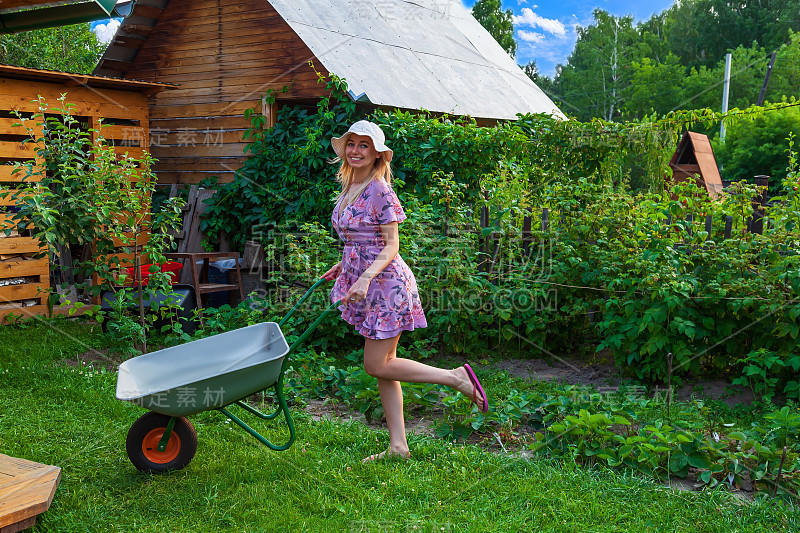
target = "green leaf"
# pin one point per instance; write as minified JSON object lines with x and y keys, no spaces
{"x":443,"y":430}
{"x":677,"y":462}
{"x":699,"y":460}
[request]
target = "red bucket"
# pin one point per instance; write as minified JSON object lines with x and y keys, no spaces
{"x":170,"y":267}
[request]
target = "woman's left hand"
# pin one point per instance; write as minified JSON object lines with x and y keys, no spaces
{"x":357,"y":292}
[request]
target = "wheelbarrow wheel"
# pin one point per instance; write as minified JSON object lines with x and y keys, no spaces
{"x":144,"y":436}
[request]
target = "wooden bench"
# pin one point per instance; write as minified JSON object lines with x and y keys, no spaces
{"x":26,"y":490}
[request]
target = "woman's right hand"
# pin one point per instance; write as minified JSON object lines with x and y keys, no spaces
{"x":334,"y":272}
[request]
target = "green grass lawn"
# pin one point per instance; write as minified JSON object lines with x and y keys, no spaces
{"x":67,"y":416}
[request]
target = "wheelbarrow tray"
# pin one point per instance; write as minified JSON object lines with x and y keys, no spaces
{"x":205,"y":374}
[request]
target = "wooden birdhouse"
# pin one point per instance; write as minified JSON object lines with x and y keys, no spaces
{"x":694,"y":156}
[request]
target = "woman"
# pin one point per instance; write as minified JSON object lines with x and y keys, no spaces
{"x":378,"y":291}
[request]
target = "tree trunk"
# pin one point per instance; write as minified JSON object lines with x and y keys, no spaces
{"x":137,"y":265}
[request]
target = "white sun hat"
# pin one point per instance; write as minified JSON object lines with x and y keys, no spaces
{"x":369,"y":129}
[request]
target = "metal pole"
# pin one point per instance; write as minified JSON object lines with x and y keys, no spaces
{"x":766,"y":80}
{"x":726,"y":88}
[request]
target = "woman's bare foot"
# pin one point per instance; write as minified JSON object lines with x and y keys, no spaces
{"x":388,"y":453}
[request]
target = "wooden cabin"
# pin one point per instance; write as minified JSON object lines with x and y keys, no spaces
{"x":226,"y":54}
{"x":694,"y":157}
{"x":120,"y":103}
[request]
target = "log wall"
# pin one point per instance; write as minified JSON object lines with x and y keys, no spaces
{"x":224,"y":55}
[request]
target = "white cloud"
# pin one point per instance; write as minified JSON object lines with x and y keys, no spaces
{"x":105,"y":32}
{"x":547,"y":52}
{"x":529,"y":18}
{"x":530,"y":36}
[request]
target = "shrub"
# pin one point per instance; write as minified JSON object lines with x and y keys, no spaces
{"x":757,"y":145}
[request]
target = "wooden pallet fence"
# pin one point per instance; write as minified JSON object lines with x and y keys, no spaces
{"x":122,"y":105}
{"x":489,"y":244}
{"x":24,"y":279}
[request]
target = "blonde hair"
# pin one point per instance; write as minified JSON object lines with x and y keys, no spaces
{"x":381,"y":170}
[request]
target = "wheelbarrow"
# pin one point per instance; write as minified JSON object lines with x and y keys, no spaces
{"x":207,"y":374}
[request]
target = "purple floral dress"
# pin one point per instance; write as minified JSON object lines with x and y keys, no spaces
{"x":392,"y":302}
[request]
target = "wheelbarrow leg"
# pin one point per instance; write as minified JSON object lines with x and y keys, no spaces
{"x":258,"y":413}
{"x":282,"y":408}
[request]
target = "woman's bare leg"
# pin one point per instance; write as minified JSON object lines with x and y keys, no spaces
{"x":376,"y":354}
{"x":381,"y":361}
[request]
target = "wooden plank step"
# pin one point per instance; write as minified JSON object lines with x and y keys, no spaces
{"x":205,"y":288}
{"x":26,"y":491}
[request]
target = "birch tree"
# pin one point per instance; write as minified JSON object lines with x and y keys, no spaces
{"x":597,"y":73}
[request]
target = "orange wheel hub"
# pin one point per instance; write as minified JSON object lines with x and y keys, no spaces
{"x":150,"y":446}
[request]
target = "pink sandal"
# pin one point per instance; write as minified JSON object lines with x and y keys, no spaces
{"x":476,"y":387}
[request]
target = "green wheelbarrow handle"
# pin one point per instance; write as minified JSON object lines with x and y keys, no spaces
{"x":304,"y":298}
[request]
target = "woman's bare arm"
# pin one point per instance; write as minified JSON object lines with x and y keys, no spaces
{"x":391,"y":239}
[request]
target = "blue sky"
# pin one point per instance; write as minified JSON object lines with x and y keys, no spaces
{"x":545,"y":31}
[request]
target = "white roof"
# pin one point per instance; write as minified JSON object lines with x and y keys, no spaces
{"x":420,"y":54}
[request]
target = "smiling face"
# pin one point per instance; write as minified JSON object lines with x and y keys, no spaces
{"x":360,"y":154}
